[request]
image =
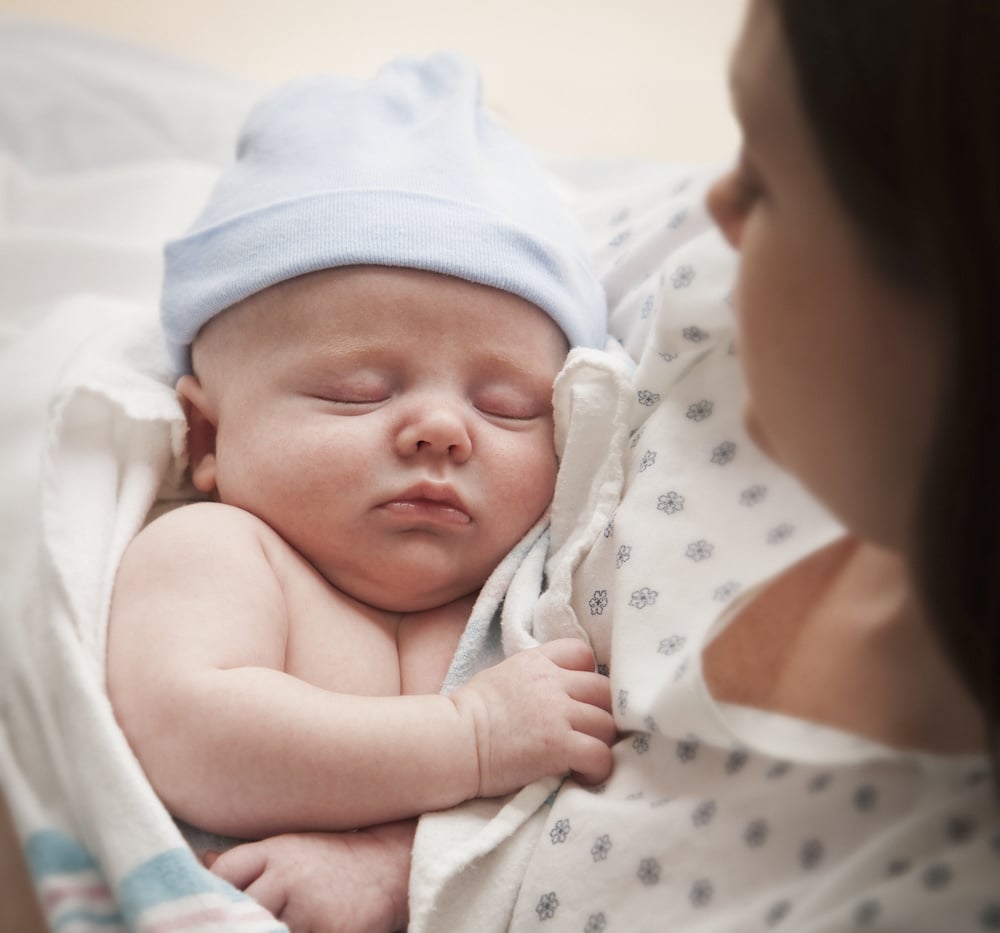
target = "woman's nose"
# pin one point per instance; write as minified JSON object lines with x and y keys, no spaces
{"x":725,"y":205}
{"x":435,"y":429}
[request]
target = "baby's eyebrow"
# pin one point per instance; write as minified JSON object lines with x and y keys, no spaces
{"x":495,"y":363}
{"x":318,"y":360}
{"x":350,"y":345}
{"x":319,"y":356}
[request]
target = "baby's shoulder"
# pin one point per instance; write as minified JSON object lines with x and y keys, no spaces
{"x":198,"y":519}
{"x":198,"y":556}
{"x":205,"y":534}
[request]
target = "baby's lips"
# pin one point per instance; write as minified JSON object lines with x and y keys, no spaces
{"x":428,"y":509}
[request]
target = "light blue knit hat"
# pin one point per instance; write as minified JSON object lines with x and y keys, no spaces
{"x":405,"y":169}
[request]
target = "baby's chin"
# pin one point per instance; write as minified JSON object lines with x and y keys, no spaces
{"x":398,"y":595}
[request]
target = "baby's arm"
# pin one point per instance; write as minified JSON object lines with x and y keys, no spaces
{"x":235,"y":745}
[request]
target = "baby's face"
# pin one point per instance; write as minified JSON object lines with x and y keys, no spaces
{"x":394,"y":426}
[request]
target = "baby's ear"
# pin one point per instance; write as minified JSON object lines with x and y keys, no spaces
{"x":202,"y":428}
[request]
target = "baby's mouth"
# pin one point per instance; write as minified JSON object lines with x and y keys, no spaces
{"x":431,"y":502}
{"x":428,"y":509}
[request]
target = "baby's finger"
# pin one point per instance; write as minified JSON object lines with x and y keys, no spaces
{"x":570,"y":653}
{"x":209,"y":857}
{"x":270,"y":894}
{"x":594,"y":689}
{"x":594,"y":721}
{"x":591,"y":759}
{"x":241,"y":866}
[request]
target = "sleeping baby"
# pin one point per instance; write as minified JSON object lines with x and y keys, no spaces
{"x":367,"y":318}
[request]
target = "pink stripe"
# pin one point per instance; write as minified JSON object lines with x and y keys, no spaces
{"x":205,"y":915}
{"x":54,"y":895}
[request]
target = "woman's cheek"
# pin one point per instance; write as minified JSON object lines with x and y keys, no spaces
{"x":750,"y":341}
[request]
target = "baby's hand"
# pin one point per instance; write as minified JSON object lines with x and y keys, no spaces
{"x":327,"y":882}
{"x":538,"y":713}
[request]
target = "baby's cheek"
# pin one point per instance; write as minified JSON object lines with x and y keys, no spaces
{"x":539,"y":482}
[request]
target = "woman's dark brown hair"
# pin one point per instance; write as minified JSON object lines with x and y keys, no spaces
{"x":903,"y":97}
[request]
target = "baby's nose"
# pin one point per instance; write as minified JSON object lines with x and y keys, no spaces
{"x":438,"y":429}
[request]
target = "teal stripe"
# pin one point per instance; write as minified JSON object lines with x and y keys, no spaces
{"x":167,"y":877}
{"x":86,"y":916}
{"x":50,"y":852}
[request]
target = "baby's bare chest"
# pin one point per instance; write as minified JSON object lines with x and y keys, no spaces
{"x":342,"y":645}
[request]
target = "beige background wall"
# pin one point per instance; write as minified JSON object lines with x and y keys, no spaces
{"x":591,"y":78}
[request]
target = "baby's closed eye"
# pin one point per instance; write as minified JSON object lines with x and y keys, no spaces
{"x":509,"y":401}
{"x":360,"y":390}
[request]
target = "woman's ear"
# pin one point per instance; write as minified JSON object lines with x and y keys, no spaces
{"x":202,"y":424}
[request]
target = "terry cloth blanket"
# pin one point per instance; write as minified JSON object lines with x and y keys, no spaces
{"x":105,"y":152}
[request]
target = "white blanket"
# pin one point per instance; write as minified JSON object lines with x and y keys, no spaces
{"x":94,"y":173}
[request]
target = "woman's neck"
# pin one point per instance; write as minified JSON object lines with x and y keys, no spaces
{"x":839,"y":639}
